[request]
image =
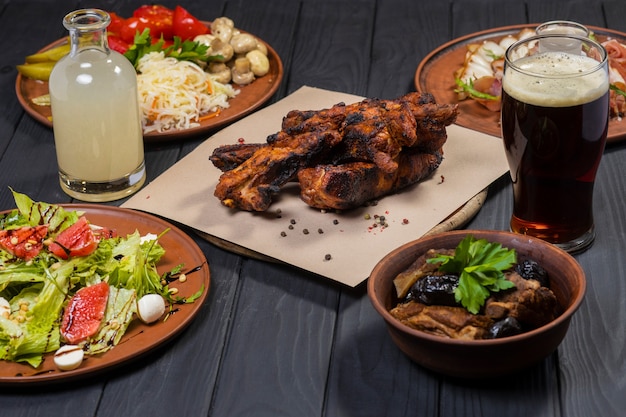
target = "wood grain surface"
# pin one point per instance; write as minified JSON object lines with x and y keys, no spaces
{"x":274,"y":341}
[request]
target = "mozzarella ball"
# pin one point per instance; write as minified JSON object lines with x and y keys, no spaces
{"x":68,"y":357}
{"x":150,"y":308}
{"x":5,"y":307}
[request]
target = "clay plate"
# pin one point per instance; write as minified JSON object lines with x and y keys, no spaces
{"x":487,"y":358}
{"x":435,"y":75}
{"x":250,"y":98}
{"x":139,"y":338}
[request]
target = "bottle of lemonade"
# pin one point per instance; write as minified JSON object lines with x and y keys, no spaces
{"x":95,"y":114}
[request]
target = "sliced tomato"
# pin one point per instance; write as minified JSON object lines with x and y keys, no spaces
{"x":186,"y":26}
{"x":76,"y":240}
{"x":25,"y":242}
{"x":117,"y":44}
{"x":160,"y":19}
{"x":116,"y":24}
{"x":84,"y":312}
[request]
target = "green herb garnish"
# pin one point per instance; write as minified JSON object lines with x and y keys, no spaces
{"x":469,"y":89}
{"x":617,"y":90}
{"x":480,"y":265}
{"x":182,"y":50}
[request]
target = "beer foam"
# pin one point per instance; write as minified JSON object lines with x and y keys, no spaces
{"x":538,"y":86}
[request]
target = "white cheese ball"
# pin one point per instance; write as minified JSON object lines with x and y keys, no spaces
{"x":5,"y":307}
{"x":150,"y":308}
{"x":68,"y":357}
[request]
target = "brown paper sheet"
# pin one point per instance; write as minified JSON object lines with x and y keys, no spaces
{"x":184,"y":193}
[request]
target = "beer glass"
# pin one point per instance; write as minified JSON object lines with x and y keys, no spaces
{"x":554,"y":119}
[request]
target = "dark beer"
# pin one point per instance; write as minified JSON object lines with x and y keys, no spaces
{"x":554,"y":147}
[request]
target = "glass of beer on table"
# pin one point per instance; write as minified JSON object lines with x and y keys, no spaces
{"x":555,"y":106}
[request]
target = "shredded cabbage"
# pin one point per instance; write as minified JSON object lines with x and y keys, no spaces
{"x":177,"y":95}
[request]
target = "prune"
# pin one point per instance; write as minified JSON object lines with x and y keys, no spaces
{"x":529,"y":269}
{"x":435,"y":290}
{"x":505,"y":328}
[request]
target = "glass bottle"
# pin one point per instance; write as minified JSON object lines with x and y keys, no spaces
{"x":95,"y":114}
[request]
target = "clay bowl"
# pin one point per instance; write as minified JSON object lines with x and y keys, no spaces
{"x":480,"y":358}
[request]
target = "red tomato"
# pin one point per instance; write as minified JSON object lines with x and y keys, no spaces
{"x":129,"y":28}
{"x":117,"y":44}
{"x":156,"y":11}
{"x":116,"y":24}
{"x":25,"y":242}
{"x":84,"y":313}
{"x":159,"y":19}
{"x":186,"y":26}
{"x":76,"y":240}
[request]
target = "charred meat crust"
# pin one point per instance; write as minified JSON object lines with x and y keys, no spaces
{"x":379,"y":146}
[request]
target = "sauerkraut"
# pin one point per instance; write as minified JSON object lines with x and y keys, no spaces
{"x":177,"y":95}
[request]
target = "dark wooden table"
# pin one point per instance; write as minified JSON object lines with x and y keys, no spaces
{"x":274,"y":341}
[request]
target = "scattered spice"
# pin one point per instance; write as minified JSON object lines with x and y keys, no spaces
{"x":290,"y":227}
{"x":405,"y":221}
{"x":292,"y":221}
{"x":335,"y":221}
{"x":320,"y":231}
{"x":442,"y":179}
{"x":305,"y":231}
{"x":327,"y":257}
{"x":283,"y":234}
{"x":241,"y":140}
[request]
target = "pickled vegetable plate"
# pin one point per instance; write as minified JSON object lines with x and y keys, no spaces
{"x":139,"y":338}
{"x":250,"y":98}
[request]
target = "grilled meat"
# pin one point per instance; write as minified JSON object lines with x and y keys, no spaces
{"x":373,"y":144}
{"x":250,"y":185}
{"x":353,"y":184}
{"x":446,"y":321}
{"x":228,"y":157}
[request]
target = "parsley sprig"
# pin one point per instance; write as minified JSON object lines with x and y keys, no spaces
{"x":182,"y":50}
{"x":480,"y":265}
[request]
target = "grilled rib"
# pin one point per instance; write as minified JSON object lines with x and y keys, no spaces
{"x":250,"y":185}
{"x":351,"y":185}
{"x":373,"y":144}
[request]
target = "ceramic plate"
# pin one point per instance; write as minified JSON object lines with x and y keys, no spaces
{"x":435,"y":74}
{"x":139,"y":338}
{"x":250,"y":97}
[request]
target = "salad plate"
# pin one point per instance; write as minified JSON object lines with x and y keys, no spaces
{"x":250,"y":98}
{"x":139,"y":338}
{"x":435,"y":75}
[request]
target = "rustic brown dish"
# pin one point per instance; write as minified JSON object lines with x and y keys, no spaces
{"x":435,"y":74}
{"x":480,"y":358}
{"x":250,"y":98}
{"x":140,"y":338}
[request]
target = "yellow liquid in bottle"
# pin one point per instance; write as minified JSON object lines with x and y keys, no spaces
{"x":97,"y":125}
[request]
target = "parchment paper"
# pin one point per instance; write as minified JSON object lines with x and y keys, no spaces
{"x":344,"y":246}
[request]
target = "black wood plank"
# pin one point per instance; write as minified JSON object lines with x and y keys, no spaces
{"x":369,"y":375}
{"x":280,"y":344}
{"x":469,"y":16}
{"x":592,"y":360}
{"x":577,"y":10}
{"x":333,"y":46}
{"x":404,"y":33}
{"x":614,"y":13}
